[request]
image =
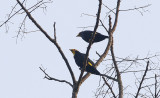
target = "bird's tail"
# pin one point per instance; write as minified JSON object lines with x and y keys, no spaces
{"x":106,"y":36}
{"x":108,"y":77}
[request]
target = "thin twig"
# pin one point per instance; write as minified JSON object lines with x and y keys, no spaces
{"x":110,"y":10}
{"x":136,"y":8}
{"x":109,"y":87}
{"x":137,"y":71}
{"x":51,"y":78}
{"x":54,"y":26}
{"x":140,"y":85}
{"x":104,"y":26}
{"x":10,"y":17}
{"x":155,"y":87}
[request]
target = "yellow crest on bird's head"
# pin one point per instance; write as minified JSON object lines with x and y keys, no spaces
{"x":73,"y":51}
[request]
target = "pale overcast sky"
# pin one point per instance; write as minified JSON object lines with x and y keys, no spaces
{"x":20,"y":62}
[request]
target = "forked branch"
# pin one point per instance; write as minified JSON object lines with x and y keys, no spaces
{"x":111,"y":30}
{"x":91,"y":41}
{"x":51,"y":78}
{"x":114,"y":96}
{"x":51,"y":39}
{"x":140,"y":85}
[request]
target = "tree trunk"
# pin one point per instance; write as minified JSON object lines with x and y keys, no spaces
{"x":74,"y":94}
{"x":75,"y":90}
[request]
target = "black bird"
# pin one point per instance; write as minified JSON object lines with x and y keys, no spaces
{"x":86,"y":35}
{"x":79,"y":59}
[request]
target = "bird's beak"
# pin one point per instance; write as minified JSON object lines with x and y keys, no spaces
{"x":78,"y":35}
{"x":73,"y":51}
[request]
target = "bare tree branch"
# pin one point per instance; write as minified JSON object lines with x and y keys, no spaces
{"x":116,"y":62}
{"x":109,"y":77}
{"x":155,"y":94}
{"x":10,"y":17}
{"x":35,"y":22}
{"x":54,"y":26}
{"x":101,"y":58}
{"x":20,"y":28}
{"x":139,"y":88}
{"x":138,"y":71}
{"x":113,"y":57}
{"x":111,"y":10}
{"x":104,"y":27}
{"x":116,"y":15}
{"x":118,"y":74}
{"x":52,"y":40}
{"x":136,"y":8}
{"x":90,"y":43}
{"x":109,"y":42}
{"x":51,"y":78}
{"x":32,"y":8}
{"x":109,"y":87}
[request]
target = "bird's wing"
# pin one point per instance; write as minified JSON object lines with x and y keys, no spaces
{"x":90,"y":62}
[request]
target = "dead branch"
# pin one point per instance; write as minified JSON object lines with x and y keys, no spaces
{"x":32,"y":8}
{"x":110,"y":10}
{"x":104,"y":27}
{"x":134,"y":71}
{"x":90,"y":43}
{"x":116,"y":16}
{"x":20,"y":28}
{"x":109,"y":87}
{"x":10,"y":17}
{"x":120,"y":85}
{"x":101,"y":58}
{"x":109,"y":42}
{"x":54,"y":26}
{"x":155,"y":94}
{"x":51,"y":78}
{"x":52,"y":40}
{"x":139,"y":88}
{"x":136,"y":8}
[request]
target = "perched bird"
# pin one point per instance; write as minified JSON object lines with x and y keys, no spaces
{"x":86,"y":35}
{"x":79,"y":59}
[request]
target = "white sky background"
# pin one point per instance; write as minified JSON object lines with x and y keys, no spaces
{"x":19,"y":63}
